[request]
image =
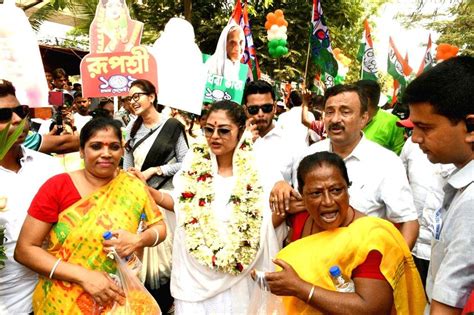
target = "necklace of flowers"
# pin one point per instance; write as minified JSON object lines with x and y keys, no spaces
{"x":203,"y":240}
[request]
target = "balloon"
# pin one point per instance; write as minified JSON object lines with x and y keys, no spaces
{"x":271,"y":17}
{"x":279,"y":13}
{"x":285,"y":37}
{"x":272,"y":51}
{"x":280,"y":21}
{"x":280,"y":50}
{"x":285,"y":50}
{"x":282,"y":42}
{"x":274,"y":28}
{"x":284,"y":29}
{"x":271,"y":37}
{"x":273,"y":43}
{"x":268,"y":25}
{"x":446,"y":51}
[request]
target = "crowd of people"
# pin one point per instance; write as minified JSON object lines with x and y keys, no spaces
{"x":244,"y":189}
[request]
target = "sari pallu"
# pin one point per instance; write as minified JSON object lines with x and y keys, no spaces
{"x":348,"y":247}
{"x":77,"y":238}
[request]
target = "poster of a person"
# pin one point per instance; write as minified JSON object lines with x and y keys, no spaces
{"x":226,"y":75}
{"x":229,"y":51}
{"x":112,"y":29}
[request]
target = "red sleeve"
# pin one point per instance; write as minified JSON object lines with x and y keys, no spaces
{"x":297,"y":222}
{"x":370,"y":268}
{"x":56,"y":195}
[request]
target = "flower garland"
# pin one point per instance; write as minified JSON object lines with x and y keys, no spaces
{"x":203,"y":241}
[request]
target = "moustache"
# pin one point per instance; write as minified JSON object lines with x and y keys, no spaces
{"x":336,"y":126}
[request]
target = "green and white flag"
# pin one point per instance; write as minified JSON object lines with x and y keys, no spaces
{"x":366,"y":56}
{"x":396,"y":64}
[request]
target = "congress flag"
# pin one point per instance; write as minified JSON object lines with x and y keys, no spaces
{"x":241,"y":17}
{"x":427,"y":62}
{"x":321,"y":50}
{"x":366,"y":56}
{"x":396,"y":64}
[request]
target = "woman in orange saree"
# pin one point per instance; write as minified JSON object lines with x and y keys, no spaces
{"x":72,"y":211}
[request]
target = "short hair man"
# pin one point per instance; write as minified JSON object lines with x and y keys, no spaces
{"x":81,"y":106}
{"x":60,"y":79}
{"x":260,"y":108}
{"x":22,"y":172}
{"x":441,"y":110}
{"x":379,"y":184}
{"x":381,"y":127}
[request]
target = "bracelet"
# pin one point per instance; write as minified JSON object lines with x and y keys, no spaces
{"x":310,"y":295}
{"x":54,"y":268}
{"x":157,"y":238}
{"x":162,"y":197}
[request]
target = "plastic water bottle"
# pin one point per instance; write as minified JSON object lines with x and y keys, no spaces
{"x":342,"y":283}
{"x":142,"y":224}
{"x":133,"y":262}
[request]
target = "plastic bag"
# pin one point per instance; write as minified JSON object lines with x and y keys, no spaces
{"x":138,"y":300}
{"x":262,"y":301}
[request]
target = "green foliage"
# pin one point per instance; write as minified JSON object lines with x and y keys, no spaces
{"x":6,"y":142}
{"x":3,"y":256}
{"x":456,"y":25}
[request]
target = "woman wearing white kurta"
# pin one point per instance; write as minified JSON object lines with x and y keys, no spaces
{"x":225,"y":227}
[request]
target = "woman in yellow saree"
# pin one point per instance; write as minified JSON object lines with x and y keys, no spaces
{"x":72,"y":211}
{"x":368,"y":250}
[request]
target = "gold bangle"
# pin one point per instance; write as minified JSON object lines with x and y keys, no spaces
{"x":310,"y":295}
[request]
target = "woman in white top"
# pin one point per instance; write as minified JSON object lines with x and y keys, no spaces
{"x":225,"y":227}
{"x":155,"y":144}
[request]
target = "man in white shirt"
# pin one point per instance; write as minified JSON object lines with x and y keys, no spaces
{"x":22,"y":172}
{"x":81,"y":116}
{"x":426,"y":181}
{"x":379,"y":184}
{"x":441,"y":110}
{"x":259,"y":105}
{"x":290,"y":122}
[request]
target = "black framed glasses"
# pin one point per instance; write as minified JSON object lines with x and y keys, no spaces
{"x":6,"y":114}
{"x":135,"y":97}
{"x":221,"y":132}
{"x":254,"y":109}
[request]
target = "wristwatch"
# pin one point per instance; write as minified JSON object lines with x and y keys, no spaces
{"x":159,"y":172}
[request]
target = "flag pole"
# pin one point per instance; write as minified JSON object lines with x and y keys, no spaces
{"x":307,"y":60}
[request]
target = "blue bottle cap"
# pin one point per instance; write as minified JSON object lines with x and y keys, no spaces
{"x":335,"y":271}
{"x":143,"y":217}
{"x":107,"y":235}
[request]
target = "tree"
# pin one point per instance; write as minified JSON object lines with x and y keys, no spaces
{"x":456,"y":25}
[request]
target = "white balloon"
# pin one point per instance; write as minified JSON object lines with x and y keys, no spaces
{"x":283,"y":29}
{"x":271,"y":37}
{"x":274,"y":27}
{"x":285,"y":37}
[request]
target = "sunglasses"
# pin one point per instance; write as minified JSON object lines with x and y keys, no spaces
{"x":254,"y":109}
{"x":6,"y":114}
{"x":135,"y":97}
{"x":221,"y":132}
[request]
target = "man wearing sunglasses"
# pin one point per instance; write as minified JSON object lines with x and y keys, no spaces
{"x":260,"y":108}
{"x":22,"y":172}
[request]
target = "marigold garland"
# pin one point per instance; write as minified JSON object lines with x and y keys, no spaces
{"x":203,"y":240}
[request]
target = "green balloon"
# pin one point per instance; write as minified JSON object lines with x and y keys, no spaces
{"x":282,"y":42}
{"x":285,"y":50}
{"x":280,"y":50}
{"x":272,"y":52}
{"x":273,"y":43}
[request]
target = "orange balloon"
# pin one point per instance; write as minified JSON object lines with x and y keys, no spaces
{"x":271,"y":17}
{"x":268,"y":25}
{"x":280,"y":21}
{"x":285,"y":23}
{"x":279,"y":13}
{"x":446,"y":51}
